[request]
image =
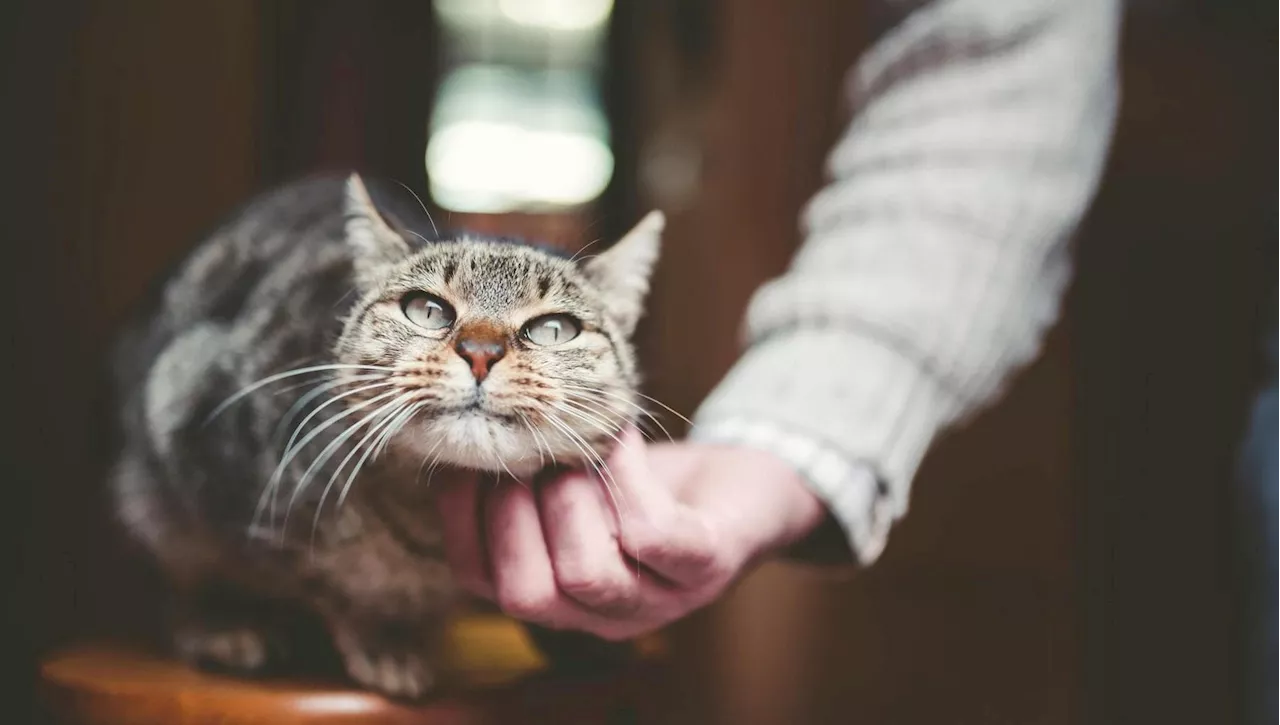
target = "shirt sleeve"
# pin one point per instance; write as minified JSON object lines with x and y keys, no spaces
{"x":935,"y":258}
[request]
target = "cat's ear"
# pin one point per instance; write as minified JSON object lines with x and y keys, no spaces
{"x":375,"y":245}
{"x":622,"y":272}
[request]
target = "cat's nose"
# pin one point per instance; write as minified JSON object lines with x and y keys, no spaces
{"x":481,"y":352}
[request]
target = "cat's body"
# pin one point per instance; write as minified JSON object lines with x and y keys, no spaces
{"x":464,"y":352}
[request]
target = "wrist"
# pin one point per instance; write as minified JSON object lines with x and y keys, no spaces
{"x":859,"y":511}
{"x":766,"y":505}
{"x":799,"y":510}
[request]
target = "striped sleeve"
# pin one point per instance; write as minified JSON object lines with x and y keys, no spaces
{"x":935,"y":258}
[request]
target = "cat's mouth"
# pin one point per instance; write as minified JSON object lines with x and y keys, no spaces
{"x":476,"y":408}
{"x":476,"y":405}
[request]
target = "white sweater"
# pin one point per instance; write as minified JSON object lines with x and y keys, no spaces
{"x":935,"y":259}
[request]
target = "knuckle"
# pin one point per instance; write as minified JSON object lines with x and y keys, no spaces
{"x":595,"y":587}
{"x":524,"y":602}
{"x":702,"y":555}
{"x":644,"y":538}
{"x":707,"y":562}
{"x":689,"y":552}
{"x":691,"y":564}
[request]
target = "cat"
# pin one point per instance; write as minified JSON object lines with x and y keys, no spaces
{"x":287,"y":394}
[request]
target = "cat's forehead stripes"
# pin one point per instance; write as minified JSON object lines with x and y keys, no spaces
{"x":495,"y":278}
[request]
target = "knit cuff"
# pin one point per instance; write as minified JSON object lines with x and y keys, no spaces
{"x":853,"y":416}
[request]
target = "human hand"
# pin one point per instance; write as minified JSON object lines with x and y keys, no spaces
{"x":664,"y":535}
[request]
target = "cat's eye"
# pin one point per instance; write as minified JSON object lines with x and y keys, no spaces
{"x":551,"y":329}
{"x":427,"y":311}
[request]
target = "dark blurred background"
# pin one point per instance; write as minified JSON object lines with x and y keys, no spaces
{"x":1066,"y":556}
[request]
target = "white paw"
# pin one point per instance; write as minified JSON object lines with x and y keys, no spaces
{"x":238,"y":649}
{"x":399,"y":674}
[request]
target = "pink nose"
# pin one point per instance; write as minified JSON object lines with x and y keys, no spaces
{"x":481,"y":353}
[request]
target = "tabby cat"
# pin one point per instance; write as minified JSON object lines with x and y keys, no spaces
{"x":299,"y":376}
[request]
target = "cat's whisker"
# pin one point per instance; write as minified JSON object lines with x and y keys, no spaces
{"x":597,"y":409}
{"x":345,"y":295}
{"x":590,"y":456}
{"x":396,"y":425}
{"x":301,"y":404}
{"x":595,"y":405}
{"x":667,"y":408}
{"x":642,"y":422}
{"x":542,"y":461}
{"x":419,"y":236}
{"x":588,"y":396}
{"x":574,"y":439}
{"x":551,"y":452}
{"x":620,"y":504}
{"x":379,"y":445}
{"x":431,"y":470}
{"x":332,"y":448}
{"x":591,"y":421}
{"x":430,"y":454}
{"x":292,"y":388}
{"x":506,"y":468}
{"x":240,"y":394}
{"x":647,"y":422}
{"x":374,"y":429}
{"x":291,"y":451}
{"x":269,"y":493}
{"x":408,"y":418}
{"x":641,"y":409}
{"x":370,"y":442}
{"x":598,"y":458}
{"x":539,"y":407}
{"x":391,"y":431}
{"x":326,"y":452}
{"x":294,"y":445}
{"x":619,"y":419}
{"x":424,"y":211}
{"x":584,"y":247}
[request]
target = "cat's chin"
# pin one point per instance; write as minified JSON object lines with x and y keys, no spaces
{"x":477,"y":441}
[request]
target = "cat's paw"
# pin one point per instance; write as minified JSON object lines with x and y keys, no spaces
{"x":399,"y":674}
{"x":238,"y":649}
{"x":389,"y":657}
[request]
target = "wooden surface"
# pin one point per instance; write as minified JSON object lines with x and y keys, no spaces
{"x":503,"y":681}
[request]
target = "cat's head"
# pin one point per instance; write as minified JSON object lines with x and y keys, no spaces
{"x":498,"y":356}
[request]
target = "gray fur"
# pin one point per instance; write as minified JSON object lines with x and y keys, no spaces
{"x":314,"y":274}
